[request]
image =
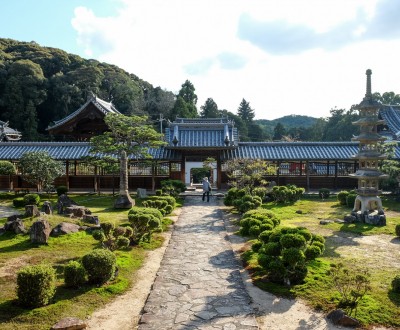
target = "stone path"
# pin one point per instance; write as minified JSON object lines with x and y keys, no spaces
{"x":198,"y":285}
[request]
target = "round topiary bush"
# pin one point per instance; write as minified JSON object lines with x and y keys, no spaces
{"x":264,"y":236}
{"x":292,"y":241}
{"x":350,"y":199}
{"x":31,"y":199}
{"x":320,"y":245}
{"x":256,"y":246}
{"x":318,"y":238}
{"x":74,"y":274}
{"x":397,"y":230}
{"x":35,"y":285}
{"x":122,"y":242}
{"x":272,"y":249}
{"x":312,"y":252}
{"x":324,"y":193}
{"x":293,"y":256}
{"x":396,"y":284}
{"x":99,"y":265}
{"x":297,"y":275}
{"x":341,"y":197}
{"x":276,"y":271}
{"x":61,"y":190}
{"x":254,"y":230}
{"x":19,"y":202}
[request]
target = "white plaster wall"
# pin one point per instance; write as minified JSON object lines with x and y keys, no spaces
{"x":190,"y":165}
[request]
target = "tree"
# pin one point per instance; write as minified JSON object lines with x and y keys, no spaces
{"x":7,"y":168}
{"x":339,"y":125}
{"x":390,"y":98}
{"x":39,"y":168}
{"x":209,"y":109}
{"x":246,"y":112}
{"x":189,"y":97}
{"x":279,"y":132}
{"x":129,"y":136}
{"x":248,"y":173}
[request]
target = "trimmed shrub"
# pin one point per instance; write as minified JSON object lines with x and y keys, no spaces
{"x":263,"y":215}
{"x":31,"y":199}
{"x":260,"y":192}
{"x":318,"y":238}
{"x":305,"y":233}
{"x":276,"y":271}
{"x":98,"y":235}
{"x":172,"y":187}
{"x":292,"y":241}
{"x":293,"y":256}
{"x":122,"y":242}
{"x":100,"y":265}
{"x":313,"y":251}
{"x":324,"y":193}
{"x":256,"y":246}
{"x":350,"y":199}
{"x":61,"y":190}
{"x":169,"y":199}
{"x":297,"y":275}
{"x":74,"y":274}
{"x":341,"y":197}
{"x":286,"y":194}
{"x":19,"y":202}
{"x":107,"y":228}
{"x":397,"y":230}
{"x":264,"y":236}
{"x":396,"y":284}
{"x":272,"y":249}
{"x":36,"y":285}
{"x":254,"y":230}
{"x":144,"y":222}
{"x":265,"y":260}
{"x":320,"y":245}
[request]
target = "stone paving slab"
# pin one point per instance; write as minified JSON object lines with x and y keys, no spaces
{"x":198,"y":285}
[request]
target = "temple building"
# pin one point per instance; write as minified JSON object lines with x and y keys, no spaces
{"x":7,"y":133}
{"x":190,"y":142}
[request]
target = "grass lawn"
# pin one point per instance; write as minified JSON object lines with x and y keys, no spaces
{"x":355,"y":245}
{"x":16,"y":251}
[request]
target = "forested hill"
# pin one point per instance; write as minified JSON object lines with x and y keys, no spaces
{"x":39,"y":85}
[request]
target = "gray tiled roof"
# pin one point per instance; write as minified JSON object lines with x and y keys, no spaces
{"x":391,"y":115}
{"x":201,"y":133}
{"x":103,"y":106}
{"x":66,"y":150}
{"x":293,"y":151}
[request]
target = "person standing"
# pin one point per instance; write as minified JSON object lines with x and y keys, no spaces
{"x":206,"y":189}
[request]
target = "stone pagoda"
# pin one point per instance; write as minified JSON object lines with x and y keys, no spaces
{"x":368,"y":205}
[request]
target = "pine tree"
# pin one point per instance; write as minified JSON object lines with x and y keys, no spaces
{"x":246,"y":112}
{"x":209,"y":109}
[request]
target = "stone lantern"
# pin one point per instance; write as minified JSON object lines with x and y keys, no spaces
{"x":368,"y":205}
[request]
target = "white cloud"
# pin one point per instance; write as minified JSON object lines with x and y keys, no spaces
{"x":167,"y":42}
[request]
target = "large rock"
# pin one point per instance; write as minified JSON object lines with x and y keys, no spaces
{"x":40,"y":232}
{"x":69,"y":323}
{"x":31,"y":211}
{"x":339,"y":317}
{"x":77,"y":211}
{"x":47,"y":208}
{"x":141,"y":193}
{"x":65,"y":228}
{"x":15,"y":225}
{"x":88,"y":218}
{"x":63,"y":202}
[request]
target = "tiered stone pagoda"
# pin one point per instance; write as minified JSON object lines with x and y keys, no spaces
{"x":368,"y":205}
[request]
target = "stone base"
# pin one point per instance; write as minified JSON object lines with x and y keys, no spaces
{"x":372,"y":218}
{"x":124,"y":202}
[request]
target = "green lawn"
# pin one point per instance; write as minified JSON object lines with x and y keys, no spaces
{"x":16,"y":251}
{"x":380,"y":306}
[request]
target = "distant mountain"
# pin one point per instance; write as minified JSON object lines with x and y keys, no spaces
{"x":291,"y":121}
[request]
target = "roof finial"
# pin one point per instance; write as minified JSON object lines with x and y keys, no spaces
{"x":368,"y":73}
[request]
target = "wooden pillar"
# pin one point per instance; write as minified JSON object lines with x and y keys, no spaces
{"x":278,"y":172}
{"x":336,"y":174}
{"x":183,"y":169}
{"x":95,"y":187}
{"x":308,"y":175}
{"x":67,"y":174}
{"x":219,"y":171}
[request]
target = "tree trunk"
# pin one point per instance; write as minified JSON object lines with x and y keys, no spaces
{"x":124,"y":201}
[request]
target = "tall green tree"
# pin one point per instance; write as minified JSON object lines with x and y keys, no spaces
{"x":188,"y":95}
{"x":390,"y":98}
{"x":279,"y":132}
{"x":246,"y":112}
{"x":23,"y":92}
{"x":339,"y":125}
{"x":209,"y":109}
{"x":40,"y":169}
{"x":129,"y":136}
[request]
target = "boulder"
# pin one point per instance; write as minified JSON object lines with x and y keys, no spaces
{"x":40,"y":232}
{"x":16,"y":226}
{"x":324,"y":222}
{"x":141,"y":193}
{"x":339,"y":317}
{"x":88,"y":218}
{"x":69,"y":323}
{"x":64,"y":228}
{"x":63,"y":202}
{"x":31,"y":211}
{"x":77,"y":211}
{"x":46,"y":208}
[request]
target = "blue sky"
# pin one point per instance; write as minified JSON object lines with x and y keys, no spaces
{"x":284,"y":57}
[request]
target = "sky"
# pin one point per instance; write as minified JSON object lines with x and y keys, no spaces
{"x":301,"y":57}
